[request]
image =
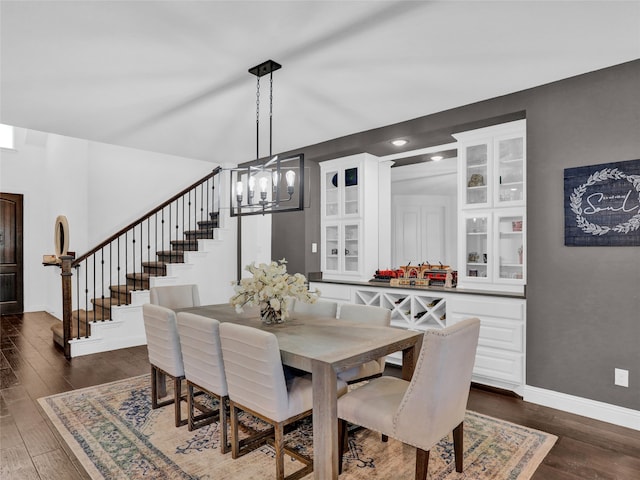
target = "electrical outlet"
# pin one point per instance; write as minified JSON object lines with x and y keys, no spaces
{"x":621,"y":377}
{"x":314,"y":248}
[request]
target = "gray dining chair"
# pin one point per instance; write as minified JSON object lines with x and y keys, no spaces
{"x":204,"y":371}
{"x":372,"y":315}
{"x":165,"y":355}
{"x":424,"y":410}
{"x":175,"y":296}
{"x":257,"y":385}
{"x":323,"y":308}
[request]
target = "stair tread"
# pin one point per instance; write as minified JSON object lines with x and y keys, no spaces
{"x":157,"y":264}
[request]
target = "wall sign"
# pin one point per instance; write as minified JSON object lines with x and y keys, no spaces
{"x":602,"y":204}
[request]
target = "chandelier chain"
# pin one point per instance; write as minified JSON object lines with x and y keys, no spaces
{"x":257,"y":118}
{"x":270,"y":113}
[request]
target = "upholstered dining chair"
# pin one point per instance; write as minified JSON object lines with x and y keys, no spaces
{"x":372,"y":315}
{"x":257,"y":386}
{"x":427,"y":408}
{"x":165,"y":355}
{"x":325,"y":308}
{"x":175,"y":296}
{"x":204,"y":371}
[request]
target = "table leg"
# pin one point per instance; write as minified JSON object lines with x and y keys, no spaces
{"x":409,"y":359}
{"x":325,"y":422}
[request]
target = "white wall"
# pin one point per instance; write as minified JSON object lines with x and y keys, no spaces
{"x":98,"y":187}
{"x":127,"y":183}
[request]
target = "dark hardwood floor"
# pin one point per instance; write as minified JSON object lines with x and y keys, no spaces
{"x":32,"y":367}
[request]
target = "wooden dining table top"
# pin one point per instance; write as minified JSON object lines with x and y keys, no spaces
{"x":303,"y":338}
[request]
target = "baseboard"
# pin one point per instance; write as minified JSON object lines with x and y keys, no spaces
{"x":605,"y":412}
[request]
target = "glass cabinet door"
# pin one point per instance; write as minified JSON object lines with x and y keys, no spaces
{"x":477,"y":246}
{"x":332,"y":248}
{"x":510,"y":247}
{"x":477,"y":174}
{"x":510,"y":175}
{"x":351,"y":192}
{"x":332,"y":194}
{"x":351,"y":247}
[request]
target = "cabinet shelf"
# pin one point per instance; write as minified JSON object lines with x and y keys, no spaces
{"x":512,"y":161}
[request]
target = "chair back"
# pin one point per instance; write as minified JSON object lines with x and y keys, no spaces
{"x":436,"y":399}
{"x":175,"y":296}
{"x":253,"y":367}
{"x":201,"y":352}
{"x":370,"y":314}
{"x":324,"y":308}
{"x":163,"y":342}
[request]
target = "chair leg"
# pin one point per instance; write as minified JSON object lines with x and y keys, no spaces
{"x":223,"y":417}
{"x":190,"y":408}
{"x":154,"y":388}
{"x":343,"y":439}
{"x":458,"y":446}
{"x":422,"y":464}
{"x":235,"y":442}
{"x":177,"y":394}
{"x":278,"y":445}
{"x":385,"y":438}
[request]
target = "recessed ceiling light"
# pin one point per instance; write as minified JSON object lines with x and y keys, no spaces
{"x":437,"y":158}
{"x":399,"y":142}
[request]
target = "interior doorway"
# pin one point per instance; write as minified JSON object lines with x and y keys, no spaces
{"x":11,"y":254}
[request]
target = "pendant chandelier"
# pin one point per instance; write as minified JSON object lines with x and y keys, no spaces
{"x":272,"y":184}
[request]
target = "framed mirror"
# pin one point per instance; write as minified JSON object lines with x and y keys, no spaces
{"x":61,"y":236}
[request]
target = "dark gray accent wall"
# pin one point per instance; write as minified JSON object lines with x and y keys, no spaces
{"x":583,"y":303}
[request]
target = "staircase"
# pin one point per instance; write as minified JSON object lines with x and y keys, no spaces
{"x":137,"y":281}
{"x":103,"y":290}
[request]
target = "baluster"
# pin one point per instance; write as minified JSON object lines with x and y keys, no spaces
{"x":78,"y":300}
{"x":118,"y":271}
{"x":94,"y":288}
{"x":102,"y":282}
{"x":133,"y":253}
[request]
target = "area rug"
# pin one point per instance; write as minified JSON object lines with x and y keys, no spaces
{"x":115,"y":434}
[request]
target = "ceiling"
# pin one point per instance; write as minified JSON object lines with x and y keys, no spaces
{"x":171,"y":76}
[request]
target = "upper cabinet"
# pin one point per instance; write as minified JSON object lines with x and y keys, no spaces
{"x":351,"y":216}
{"x":492,"y":207}
{"x":492,"y":166}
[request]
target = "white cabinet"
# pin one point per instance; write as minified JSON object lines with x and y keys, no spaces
{"x":492,"y":248}
{"x":492,"y":166}
{"x":500,"y":358}
{"x":492,"y":220}
{"x":350,"y":217}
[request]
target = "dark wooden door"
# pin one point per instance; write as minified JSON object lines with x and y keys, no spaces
{"x":11,"y":287}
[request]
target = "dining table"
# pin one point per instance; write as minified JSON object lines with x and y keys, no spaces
{"x":325,"y":346}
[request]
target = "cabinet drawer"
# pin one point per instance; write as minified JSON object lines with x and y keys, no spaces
{"x":499,"y":365}
{"x":496,"y":308}
{"x":497,"y":332}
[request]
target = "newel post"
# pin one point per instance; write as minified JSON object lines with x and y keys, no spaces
{"x":66,"y":303}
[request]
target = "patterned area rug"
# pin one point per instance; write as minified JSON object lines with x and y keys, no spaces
{"x":115,"y":435}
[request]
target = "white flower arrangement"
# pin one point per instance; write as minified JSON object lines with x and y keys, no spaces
{"x":270,"y":287}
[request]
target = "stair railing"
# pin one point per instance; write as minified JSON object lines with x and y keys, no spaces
{"x":107,"y":274}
